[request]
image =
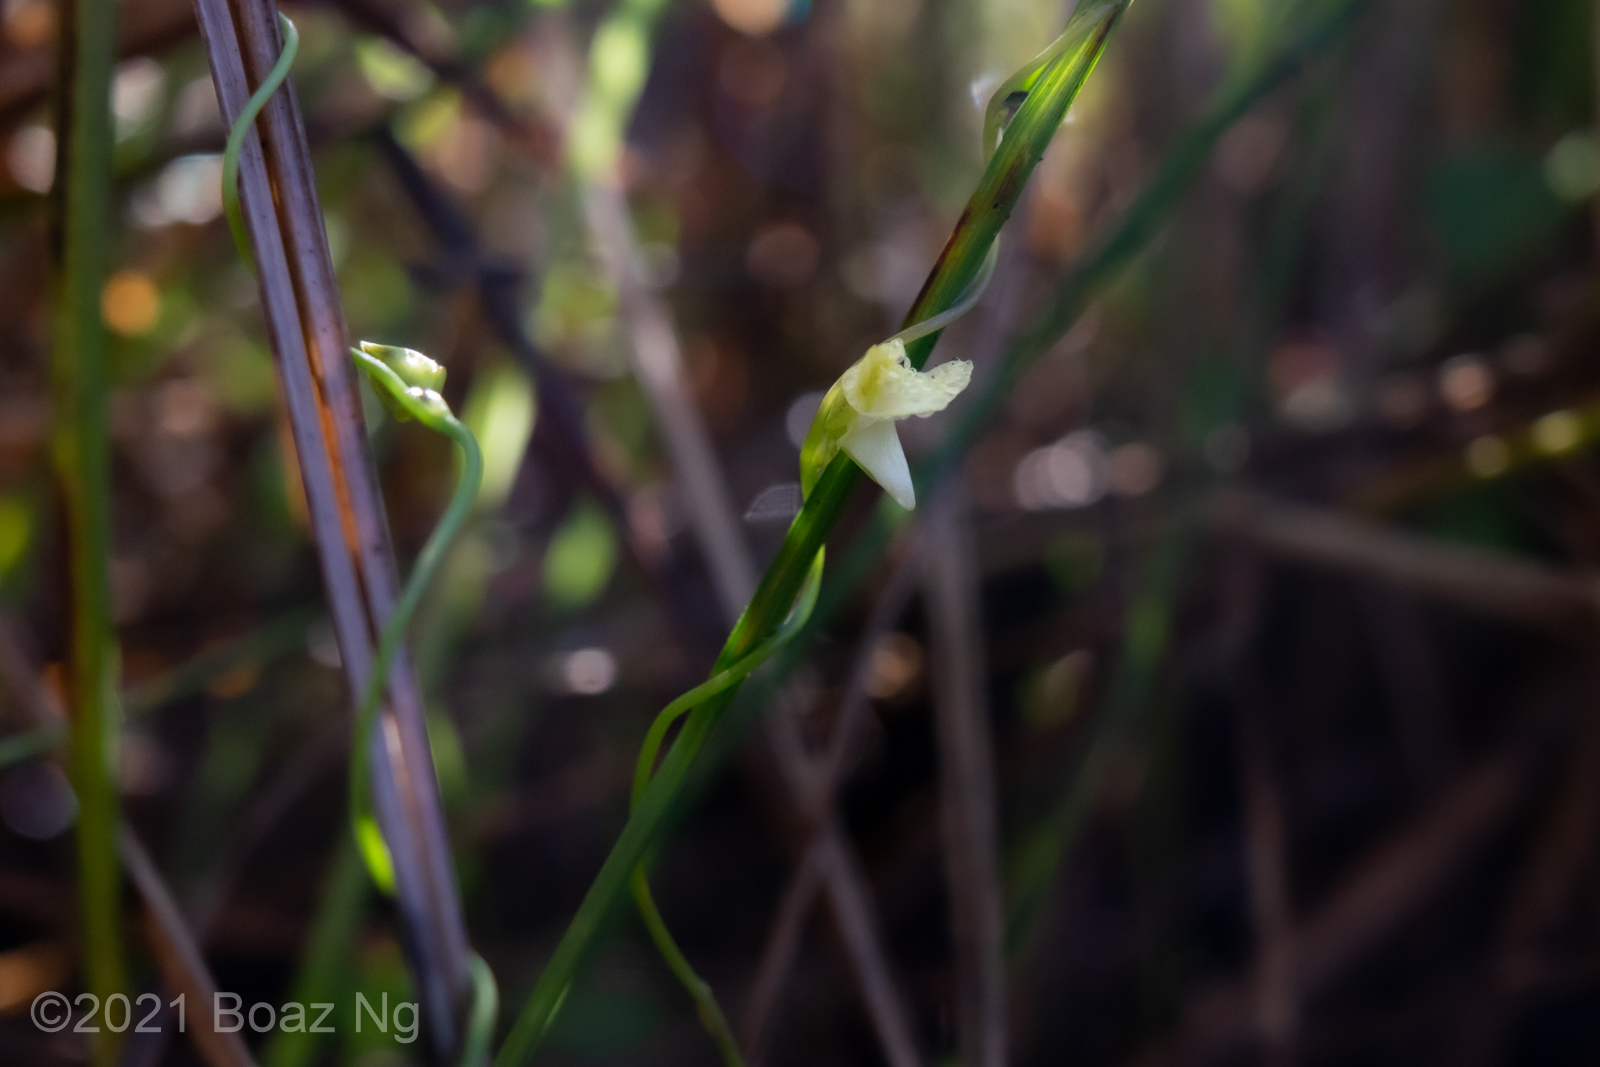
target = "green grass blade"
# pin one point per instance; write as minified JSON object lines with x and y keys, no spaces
{"x":272,"y":639}
{"x":325,"y":963}
{"x":1142,"y":222}
{"x":26,"y":746}
{"x":1053,"y":89}
{"x":81,"y":449}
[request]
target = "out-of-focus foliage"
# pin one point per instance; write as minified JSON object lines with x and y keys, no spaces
{"x":1377,"y":297}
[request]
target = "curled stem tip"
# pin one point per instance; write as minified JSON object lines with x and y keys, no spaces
{"x":241,"y":127}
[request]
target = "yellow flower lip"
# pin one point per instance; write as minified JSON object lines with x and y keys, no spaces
{"x":884,"y":384}
{"x":859,"y":414}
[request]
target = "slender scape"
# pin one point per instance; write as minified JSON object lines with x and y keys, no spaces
{"x":1141,"y":222}
{"x":1036,"y":120}
{"x":423,"y":403}
{"x":408,"y":384}
{"x":888,"y":389}
{"x":705,"y":1002}
{"x":427,"y":407}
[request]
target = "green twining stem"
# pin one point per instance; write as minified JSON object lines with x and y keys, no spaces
{"x":485,"y":1013}
{"x":812,"y":460}
{"x":413,"y":396}
{"x":241,"y":127}
{"x":968,"y":300}
{"x":1031,"y":106}
{"x":779,"y":590}
{"x":423,"y":403}
{"x":435,"y":416}
{"x":711,"y":1015}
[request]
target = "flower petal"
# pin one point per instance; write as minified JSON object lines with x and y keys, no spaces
{"x":833,"y":418}
{"x":873,"y":443}
{"x":413,"y":368}
{"x":883,"y":383}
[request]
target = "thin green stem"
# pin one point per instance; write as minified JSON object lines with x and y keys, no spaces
{"x":1046,"y":93}
{"x":711,"y":1016}
{"x":705,"y":1001}
{"x":1036,"y":120}
{"x":723,"y":679}
{"x":485,"y":1013}
{"x":1142,"y":221}
{"x":427,"y":407}
{"x":437,"y":417}
{"x":26,"y":746}
{"x":86,"y":38}
{"x":407,"y":398}
{"x":422,"y":403}
{"x":276,"y":638}
{"x":241,"y":128}
{"x":326,"y":956}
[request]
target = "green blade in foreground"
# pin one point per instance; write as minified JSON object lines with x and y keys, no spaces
{"x":82,"y":454}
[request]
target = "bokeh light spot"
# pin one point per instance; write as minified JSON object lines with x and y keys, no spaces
{"x":36,"y":801}
{"x":1466,"y":382}
{"x":1572,"y":167}
{"x":754,"y":17}
{"x":30,"y":23}
{"x":31,"y":158}
{"x":391,"y":72}
{"x":783,"y":255}
{"x":588,"y":671}
{"x":1134,"y":469}
{"x":1068,"y":474}
{"x":130,"y":303}
{"x":1557,"y":432}
{"x":137,"y":93}
{"x":579,"y":561}
{"x":1488,"y":456}
{"x":896,"y":662}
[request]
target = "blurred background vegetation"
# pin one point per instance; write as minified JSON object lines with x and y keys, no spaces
{"x":1285,"y":551}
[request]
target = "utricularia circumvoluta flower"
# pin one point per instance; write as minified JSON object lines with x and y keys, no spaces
{"x":422,"y":376}
{"x":859,"y":413}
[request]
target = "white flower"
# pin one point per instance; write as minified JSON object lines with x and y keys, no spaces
{"x":859,"y":413}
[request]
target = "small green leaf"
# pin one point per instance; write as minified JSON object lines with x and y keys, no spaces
{"x":580,"y":559}
{"x":500,"y":411}
{"x":16,"y":531}
{"x":391,"y":72}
